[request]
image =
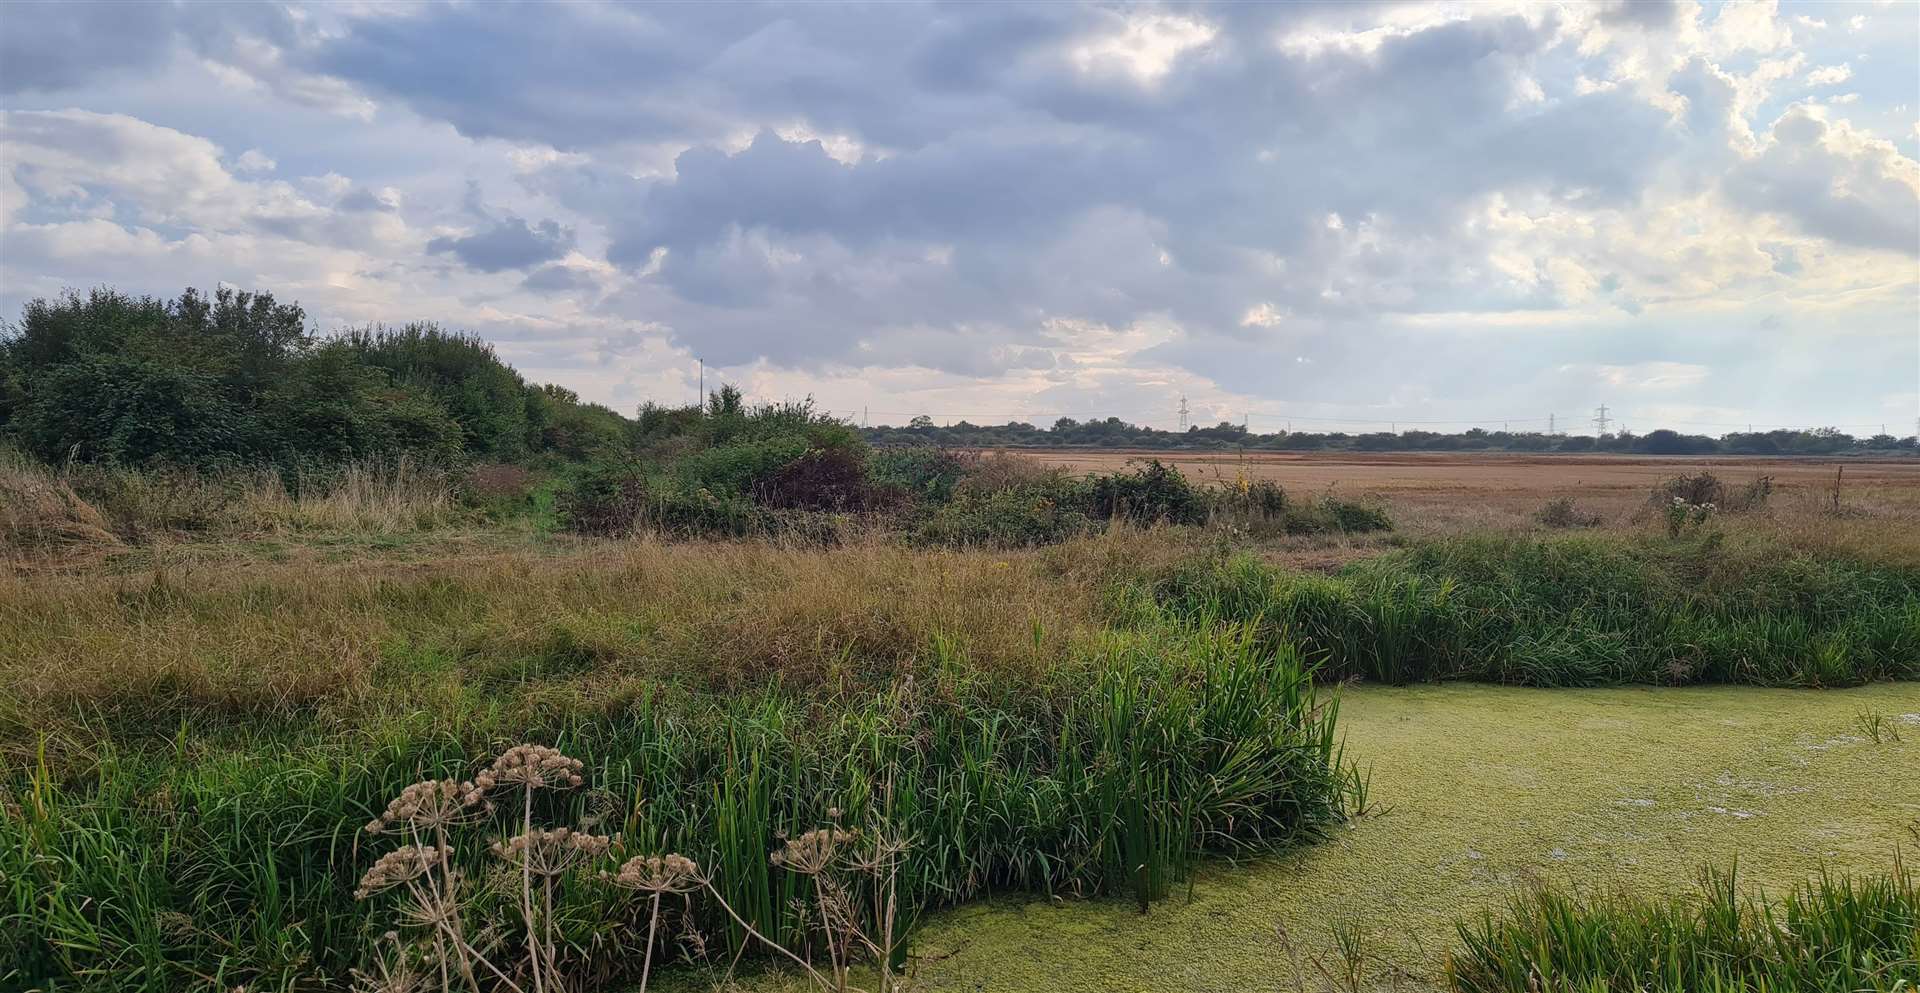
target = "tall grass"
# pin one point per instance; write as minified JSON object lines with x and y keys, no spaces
{"x":44,"y":509}
{"x":162,"y":868}
{"x":1835,"y":934}
{"x":1577,"y":611}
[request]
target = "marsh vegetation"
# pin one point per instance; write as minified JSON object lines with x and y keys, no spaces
{"x":446,"y":681}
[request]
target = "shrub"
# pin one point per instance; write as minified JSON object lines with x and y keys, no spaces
{"x":677,"y":511}
{"x":1154,"y":493}
{"x":1562,"y":512}
{"x":1330,"y":514}
{"x":1009,"y":518}
{"x":738,"y":467}
{"x":1699,"y":489}
{"x":1752,"y":496}
{"x":995,"y":472}
{"x":822,"y":479}
{"x":606,"y":498}
{"x":922,"y":472}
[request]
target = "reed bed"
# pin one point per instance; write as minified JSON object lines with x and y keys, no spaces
{"x":1588,"y":610}
{"x":1834,"y":934}
{"x":235,"y":865}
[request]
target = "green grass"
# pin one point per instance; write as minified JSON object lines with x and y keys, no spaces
{"x":161,"y":869}
{"x":1597,"y":610}
{"x":190,"y":755}
{"x":1481,"y":792}
{"x":1835,"y":934}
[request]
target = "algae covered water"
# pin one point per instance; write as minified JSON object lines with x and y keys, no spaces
{"x":1479,"y":790}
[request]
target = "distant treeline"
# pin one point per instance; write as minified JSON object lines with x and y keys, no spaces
{"x":238,"y":379}
{"x":1116,"y":433}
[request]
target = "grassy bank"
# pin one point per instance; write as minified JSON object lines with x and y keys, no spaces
{"x":190,"y":760}
{"x":1596,"y":610}
{"x":1483,"y":792}
{"x":192,"y":744}
{"x":1835,"y":934}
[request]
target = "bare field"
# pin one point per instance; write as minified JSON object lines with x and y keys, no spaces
{"x":1532,"y":474}
{"x":1450,"y":477}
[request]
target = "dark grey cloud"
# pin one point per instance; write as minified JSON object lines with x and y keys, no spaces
{"x":508,"y":243}
{"x":557,"y":279}
{"x":49,"y":46}
{"x":362,"y":199}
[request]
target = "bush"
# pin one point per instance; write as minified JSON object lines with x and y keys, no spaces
{"x":922,"y":472}
{"x":822,"y":479}
{"x":1331,"y":514}
{"x":1009,"y":518}
{"x":995,"y":472}
{"x":1154,"y":493}
{"x":676,"y":511}
{"x":1699,"y":489}
{"x":1564,"y":513}
{"x":606,"y":498}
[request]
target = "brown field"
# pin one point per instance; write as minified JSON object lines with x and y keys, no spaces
{"x":1452,"y":492}
{"x":1452,"y":472}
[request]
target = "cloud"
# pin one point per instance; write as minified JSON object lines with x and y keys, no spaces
{"x":1830,"y":75}
{"x":1053,"y":205}
{"x":509,"y":243}
{"x":1830,"y":180}
{"x":1653,"y":375}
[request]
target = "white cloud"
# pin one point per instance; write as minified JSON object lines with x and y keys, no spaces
{"x":254,"y":160}
{"x":1653,"y":376}
{"x":1830,"y":75}
{"x":1145,"y":46}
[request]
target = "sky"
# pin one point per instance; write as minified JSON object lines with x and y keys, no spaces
{"x":1311,"y":215}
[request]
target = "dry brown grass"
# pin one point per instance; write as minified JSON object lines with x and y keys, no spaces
{"x":75,"y":513}
{"x":40,"y":512}
{"x":244,"y":640}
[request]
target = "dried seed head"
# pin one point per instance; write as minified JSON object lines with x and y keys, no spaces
{"x":432,"y":803}
{"x":658,"y":874}
{"x":811,"y":853}
{"x":533,"y":766}
{"x":550,"y":853}
{"x":399,"y":866}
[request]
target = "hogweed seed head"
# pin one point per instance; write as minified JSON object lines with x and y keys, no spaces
{"x":533,"y":766}
{"x":399,"y":866}
{"x":658,"y":874}
{"x":811,"y":853}
{"x":550,"y":853}
{"x":433,"y":803}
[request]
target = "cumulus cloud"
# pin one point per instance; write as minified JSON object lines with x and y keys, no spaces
{"x":1832,"y":181}
{"x":1830,"y":75}
{"x":1038,"y":206}
{"x":508,"y":243}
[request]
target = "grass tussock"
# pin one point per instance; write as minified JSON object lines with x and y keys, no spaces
{"x":1835,"y":934}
